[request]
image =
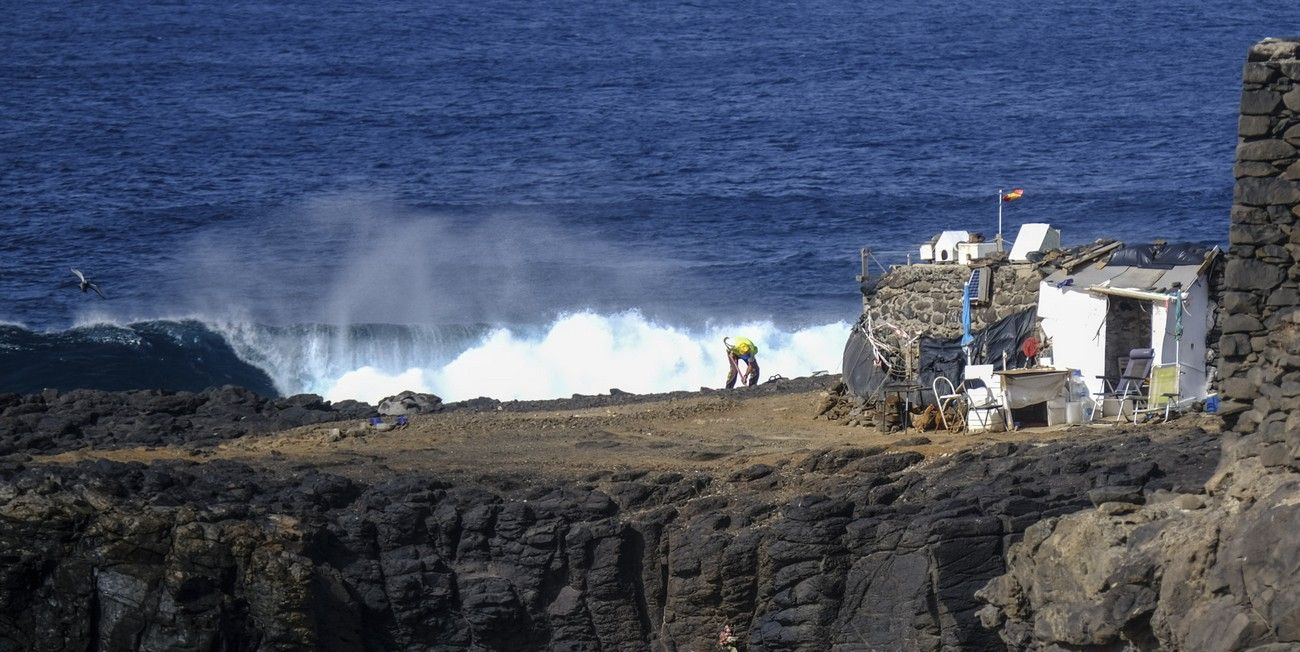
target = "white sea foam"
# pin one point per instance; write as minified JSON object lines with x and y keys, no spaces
{"x":583,"y":352}
{"x":344,"y":361}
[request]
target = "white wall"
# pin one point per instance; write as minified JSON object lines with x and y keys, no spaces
{"x":1074,"y":323}
{"x":1194,"y":382}
{"x":1189,"y":352}
{"x":1162,"y":332}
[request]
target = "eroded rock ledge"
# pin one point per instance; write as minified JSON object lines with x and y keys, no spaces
{"x":846,"y":549}
{"x":1220,"y":572}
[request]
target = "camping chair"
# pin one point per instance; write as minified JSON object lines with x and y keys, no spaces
{"x":1128,"y":387}
{"x":1162,"y":392}
{"x":981,"y":401}
{"x":950,"y":398}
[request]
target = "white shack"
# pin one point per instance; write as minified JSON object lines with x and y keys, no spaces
{"x":1149,"y":296}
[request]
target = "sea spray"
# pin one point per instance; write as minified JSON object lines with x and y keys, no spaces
{"x":589,"y":353}
{"x":581,"y":352}
{"x":313,"y":358}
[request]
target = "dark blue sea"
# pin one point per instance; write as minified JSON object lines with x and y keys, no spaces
{"x":523,"y":199}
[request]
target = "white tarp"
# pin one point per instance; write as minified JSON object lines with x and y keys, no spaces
{"x":1024,"y":390}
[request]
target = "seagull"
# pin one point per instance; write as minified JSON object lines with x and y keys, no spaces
{"x":85,"y":284}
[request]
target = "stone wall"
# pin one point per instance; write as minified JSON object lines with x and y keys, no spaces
{"x":927,"y":298}
{"x":1260,"y":344}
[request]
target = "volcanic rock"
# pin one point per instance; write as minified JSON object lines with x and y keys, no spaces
{"x":870,"y":549}
{"x":53,"y":422}
{"x":408,"y":403}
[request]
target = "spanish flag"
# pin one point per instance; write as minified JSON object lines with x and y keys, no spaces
{"x":1016,"y":193}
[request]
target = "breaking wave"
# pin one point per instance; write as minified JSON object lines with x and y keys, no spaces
{"x":181,"y":355}
{"x":582,"y":352}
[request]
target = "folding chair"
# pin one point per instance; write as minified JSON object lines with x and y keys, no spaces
{"x":1162,"y":392}
{"x":981,"y":401}
{"x":1128,"y":387}
{"x":946,"y":399}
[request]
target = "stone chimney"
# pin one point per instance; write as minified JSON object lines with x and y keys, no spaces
{"x":1260,"y":372}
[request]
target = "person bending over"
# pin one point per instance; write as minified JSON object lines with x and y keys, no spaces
{"x":741,"y":349}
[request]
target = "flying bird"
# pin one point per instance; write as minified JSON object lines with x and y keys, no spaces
{"x":85,"y":284}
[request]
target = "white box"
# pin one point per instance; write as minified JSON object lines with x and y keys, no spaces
{"x":985,"y":373}
{"x":1034,"y":237}
{"x":1056,"y":417}
{"x":1056,"y":412}
{"x":969,"y":252}
{"x":1110,"y":407}
{"x":996,"y":423}
{"x":945,"y":246}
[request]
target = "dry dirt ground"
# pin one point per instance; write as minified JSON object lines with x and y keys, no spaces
{"x":715,"y":434}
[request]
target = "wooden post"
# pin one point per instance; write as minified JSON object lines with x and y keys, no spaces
{"x":865,"y":254}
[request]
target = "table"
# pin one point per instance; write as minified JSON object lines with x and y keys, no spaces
{"x":1024,"y":387}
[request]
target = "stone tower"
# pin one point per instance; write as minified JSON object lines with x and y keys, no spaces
{"x":1261,"y":331}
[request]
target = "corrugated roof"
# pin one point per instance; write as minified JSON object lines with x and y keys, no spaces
{"x":1126,"y":277}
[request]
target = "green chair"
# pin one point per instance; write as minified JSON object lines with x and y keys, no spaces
{"x":1162,"y":393}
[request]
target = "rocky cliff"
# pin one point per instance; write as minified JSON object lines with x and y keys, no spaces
{"x":847,"y":548}
{"x":1219,"y":572}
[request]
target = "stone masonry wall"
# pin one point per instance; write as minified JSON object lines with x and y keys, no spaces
{"x":927,"y":298}
{"x":1260,"y":342}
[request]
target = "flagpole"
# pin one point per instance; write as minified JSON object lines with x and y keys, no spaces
{"x":999,"y":219}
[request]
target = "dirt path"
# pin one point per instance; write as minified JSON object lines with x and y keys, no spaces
{"x":709,"y":433}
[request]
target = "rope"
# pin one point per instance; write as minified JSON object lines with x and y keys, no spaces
{"x":890,"y":357}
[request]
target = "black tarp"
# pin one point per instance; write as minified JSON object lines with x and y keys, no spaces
{"x":1160,"y":256}
{"x":939,"y":357}
{"x":1005,"y":335}
{"x":861,"y":374}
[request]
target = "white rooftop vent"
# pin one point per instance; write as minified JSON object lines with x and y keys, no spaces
{"x":927,"y":252}
{"x":1035,"y":236}
{"x":945,"y":246}
{"x":969,"y":252}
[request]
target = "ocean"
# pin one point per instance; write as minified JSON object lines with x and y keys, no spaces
{"x":526,"y":200}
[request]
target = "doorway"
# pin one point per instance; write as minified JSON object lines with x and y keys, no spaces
{"x":1128,"y":327}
